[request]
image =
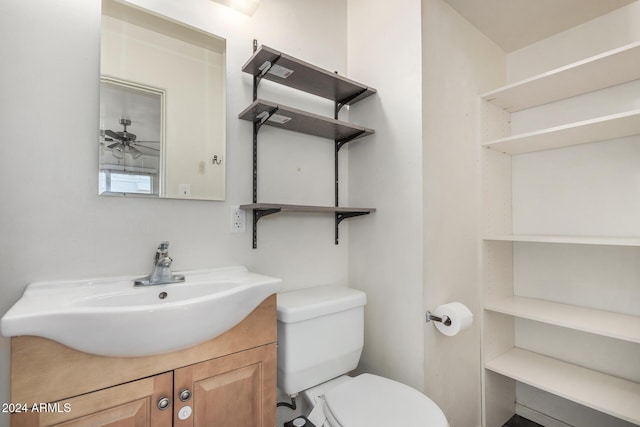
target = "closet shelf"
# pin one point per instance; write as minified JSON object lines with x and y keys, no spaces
{"x":597,"y":72}
{"x":599,"y":129}
{"x":577,"y":240}
{"x":302,"y":121}
{"x":306,"y":208}
{"x":297,"y":74}
{"x":610,"y":324}
{"x":605,"y":393}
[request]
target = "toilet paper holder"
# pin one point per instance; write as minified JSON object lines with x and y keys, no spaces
{"x":444,"y":319}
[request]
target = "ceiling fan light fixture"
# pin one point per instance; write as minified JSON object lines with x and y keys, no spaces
{"x":248,"y":7}
{"x":135,"y":153}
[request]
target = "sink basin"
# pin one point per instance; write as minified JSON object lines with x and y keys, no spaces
{"x":111,"y":317}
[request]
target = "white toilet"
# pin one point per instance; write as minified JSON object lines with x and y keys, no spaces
{"x":320,"y":338}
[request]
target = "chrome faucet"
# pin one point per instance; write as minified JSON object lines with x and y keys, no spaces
{"x":161,"y":273}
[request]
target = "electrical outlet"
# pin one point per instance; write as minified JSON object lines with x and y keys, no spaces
{"x":238,"y":220}
{"x":184,"y":189}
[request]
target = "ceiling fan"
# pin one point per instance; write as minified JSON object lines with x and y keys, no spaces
{"x":125,"y":142}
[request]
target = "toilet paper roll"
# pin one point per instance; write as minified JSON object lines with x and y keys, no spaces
{"x":460,"y":316}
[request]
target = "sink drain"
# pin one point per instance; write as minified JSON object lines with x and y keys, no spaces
{"x":162,"y":295}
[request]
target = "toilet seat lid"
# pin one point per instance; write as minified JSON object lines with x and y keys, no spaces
{"x":371,"y":401}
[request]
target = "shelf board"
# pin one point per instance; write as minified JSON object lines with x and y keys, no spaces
{"x":614,"y":325}
{"x":304,"y":122}
{"x":263,"y":209}
{"x":578,"y":240}
{"x":605,"y":393}
{"x":599,"y":129}
{"x":597,"y":72}
{"x":306,"y":77}
{"x":305,"y":208}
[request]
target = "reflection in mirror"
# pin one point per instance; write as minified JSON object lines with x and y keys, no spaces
{"x":130,"y":162}
{"x":162,"y":107}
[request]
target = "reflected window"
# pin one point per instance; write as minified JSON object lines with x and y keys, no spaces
{"x":111,"y":182}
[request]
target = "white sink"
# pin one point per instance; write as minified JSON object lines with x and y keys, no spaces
{"x":111,"y":317}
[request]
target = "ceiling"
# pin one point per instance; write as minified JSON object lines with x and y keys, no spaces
{"x":513,"y":24}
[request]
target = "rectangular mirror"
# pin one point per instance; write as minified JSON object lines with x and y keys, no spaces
{"x":162,"y":107}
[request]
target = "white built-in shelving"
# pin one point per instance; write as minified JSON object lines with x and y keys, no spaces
{"x":570,"y":240}
{"x":598,"y":129}
{"x":504,"y":363}
{"x":597,"y":72}
{"x":606,"y":323}
{"x":605,"y":393}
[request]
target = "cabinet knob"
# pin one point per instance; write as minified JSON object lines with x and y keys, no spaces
{"x":185,"y":395}
{"x":164,"y":403}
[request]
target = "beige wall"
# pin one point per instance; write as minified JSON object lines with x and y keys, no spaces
{"x":458,"y":64}
{"x":385,"y":171}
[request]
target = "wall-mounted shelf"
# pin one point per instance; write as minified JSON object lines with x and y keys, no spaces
{"x":295,"y":120}
{"x":575,"y":240}
{"x":605,"y":393}
{"x":306,"y":208}
{"x":614,"y":325}
{"x":261,"y":210}
{"x":599,"y":129}
{"x":292,"y":72}
{"x":597,"y":72}
{"x":270,"y":64}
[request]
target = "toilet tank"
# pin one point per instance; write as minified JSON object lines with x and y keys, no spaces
{"x":320,"y":335}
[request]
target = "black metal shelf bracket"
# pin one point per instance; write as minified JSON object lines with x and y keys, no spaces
{"x":263,"y":71}
{"x":260,"y":120}
{"x":348,"y":99}
{"x":341,"y":142}
{"x":344,"y":215}
{"x":262,"y":117}
{"x":257,"y":214}
{"x":257,"y":124}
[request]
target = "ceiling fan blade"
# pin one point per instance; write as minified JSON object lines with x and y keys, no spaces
{"x":113,"y":134}
{"x":115,"y":144}
{"x":148,"y":142}
{"x":148,"y":151}
{"x":139,"y":145}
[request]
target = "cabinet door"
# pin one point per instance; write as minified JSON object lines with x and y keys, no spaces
{"x":237,"y":390}
{"x":134,"y":404}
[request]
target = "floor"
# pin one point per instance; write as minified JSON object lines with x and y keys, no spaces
{"x":518,"y":421}
{"x":286,"y":420}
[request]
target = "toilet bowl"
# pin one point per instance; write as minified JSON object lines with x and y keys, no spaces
{"x":373,"y":401}
{"x":320,"y":338}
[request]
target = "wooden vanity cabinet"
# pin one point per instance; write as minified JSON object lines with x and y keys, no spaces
{"x":228,"y":391}
{"x":228,"y":381}
{"x":131,"y":404}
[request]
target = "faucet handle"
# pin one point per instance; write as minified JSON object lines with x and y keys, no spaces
{"x":162,"y":251}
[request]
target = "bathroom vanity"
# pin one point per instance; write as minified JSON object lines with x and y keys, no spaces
{"x":229,"y":380}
